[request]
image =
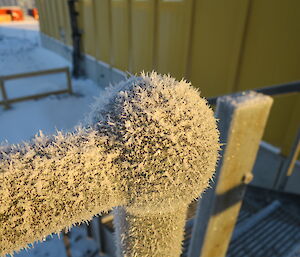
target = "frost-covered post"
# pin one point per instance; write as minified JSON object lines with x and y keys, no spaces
{"x":149,"y":148}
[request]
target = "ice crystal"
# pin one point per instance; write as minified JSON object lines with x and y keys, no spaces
{"x":150,"y":146}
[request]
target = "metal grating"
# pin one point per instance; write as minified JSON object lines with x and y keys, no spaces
{"x":296,"y":253}
{"x":273,"y":236}
{"x":268,"y":225}
{"x":248,"y":209}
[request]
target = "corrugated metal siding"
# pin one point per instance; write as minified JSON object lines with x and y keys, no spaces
{"x":266,"y":227}
{"x":221,"y":47}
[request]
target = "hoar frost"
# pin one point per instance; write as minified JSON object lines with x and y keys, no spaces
{"x":149,"y":147}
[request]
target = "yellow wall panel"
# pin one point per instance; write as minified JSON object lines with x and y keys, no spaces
{"x":102,"y":13}
{"x":221,"y":46}
{"x":120,"y":34}
{"x":272,"y":56}
{"x":60,"y":20}
{"x":89,"y":37}
{"x":46,"y":17}
{"x":54,"y":19}
{"x":142,"y":36}
{"x":217,"y":36}
{"x":68,"y":32}
{"x":271,"y":53}
{"x":284,"y":120}
{"x":173,"y":35}
{"x":292,"y":129}
{"x":49,"y":17}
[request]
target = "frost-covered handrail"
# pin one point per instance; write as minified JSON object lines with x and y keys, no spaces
{"x":50,"y":184}
{"x":149,"y":147}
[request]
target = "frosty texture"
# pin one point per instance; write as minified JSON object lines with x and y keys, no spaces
{"x":157,"y":235}
{"x":150,"y":145}
{"x":52,"y":183}
{"x":168,"y":139}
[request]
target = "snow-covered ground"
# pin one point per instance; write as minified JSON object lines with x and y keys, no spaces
{"x":20,"y":51}
{"x":25,"y":119}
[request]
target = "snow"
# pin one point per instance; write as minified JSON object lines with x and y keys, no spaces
{"x":20,"y":51}
{"x":53,"y":246}
{"x":25,"y":119}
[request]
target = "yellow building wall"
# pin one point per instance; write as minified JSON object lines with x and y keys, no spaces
{"x":220,"y":46}
{"x":120,"y":13}
{"x":66,"y":22}
{"x":53,"y":13}
{"x":217,"y":35}
{"x":102,"y":14}
{"x":173,"y":35}
{"x":43,"y":16}
{"x":86,"y":14}
{"x":143,"y":16}
{"x":45,"y":8}
{"x":60,"y":20}
{"x":271,"y":55}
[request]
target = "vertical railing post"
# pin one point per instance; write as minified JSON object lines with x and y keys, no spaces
{"x":288,"y":165}
{"x":242,"y":119}
{"x":101,"y":235}
{"x":4,"y":95}
{"x":67,"y":244}
{"x":76,"y":37}
{"x":69,"y":82}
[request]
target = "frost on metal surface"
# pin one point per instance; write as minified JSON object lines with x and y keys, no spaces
{"x":149,"y":235}
{"x":150,"y":145}
{"x":240,"y":98}
{"x":50,"y":184}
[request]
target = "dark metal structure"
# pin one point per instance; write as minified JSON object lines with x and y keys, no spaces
{"x":76,"y":38}
{"x":288,"y":88}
